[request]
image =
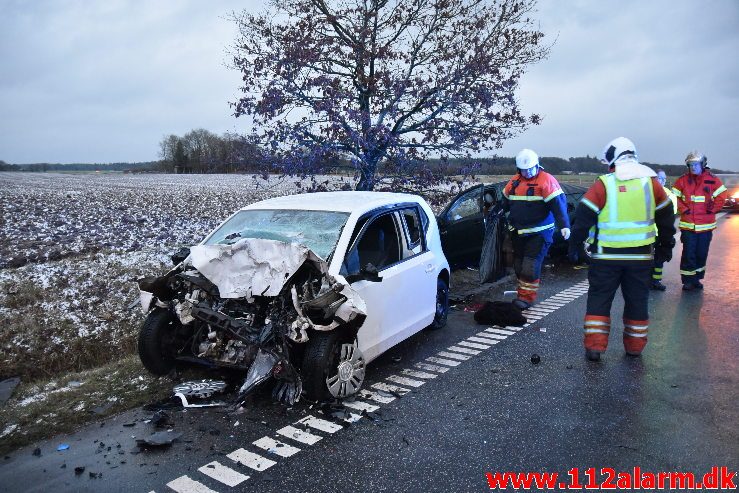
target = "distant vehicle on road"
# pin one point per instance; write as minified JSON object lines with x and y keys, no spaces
{"x":731,"y":182}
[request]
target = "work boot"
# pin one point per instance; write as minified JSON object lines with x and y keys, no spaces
{"x":698,"y":285}
{"x":521,"y":304}
{"x":592,"y":355}
{"x":658,"y":286}
{"x":689,"y":286}
{"x":633,"y":354}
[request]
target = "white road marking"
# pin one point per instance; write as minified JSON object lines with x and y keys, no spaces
{"x":251,"y":460}
{"x":447,"y":354}
{"x":374,"y":396}
{"x":320,"y":424}
{"x":473,"y":345}
{"x":405,"y":381}
{"x":442,"y":361}
{"x":484,"y":337}
{"x":473,"y":352}
{"x":386,"y":387}
{"x":276,"y":447}
{"x":490,"y":335}
{"x":511,"y":328}
{"x":223,"y":474}
{"x":436,"y":368}
{"x":184,"y":484}
{"x":361,"y":406}
{"x":418,"y":374}
{"x":499,"y":331}
{"x":299,"y":435}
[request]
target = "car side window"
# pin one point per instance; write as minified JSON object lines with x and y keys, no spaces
{"x":467,"y":205}
{"x":413,"y":228}
{"x":379,"y":245}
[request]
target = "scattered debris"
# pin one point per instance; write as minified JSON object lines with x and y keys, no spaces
{"x":7,"y":387}
{"x":542,"y":329}
{"x":95,"y":475}
{"x":102,"y":409}
{"x":129,"y":425}
{"x":159,"y":439}
{"x":569,"y":367}
{"x":36,"y":452}
{"x":200,"y":389}
{"x":161,"y":419}
{"x":535,"y":359}
{"x":79,"y":470}
{"x":500,"y":313}
{"x":61,"y":447}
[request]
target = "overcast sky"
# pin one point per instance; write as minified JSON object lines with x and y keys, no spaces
{"x":103,"y":81}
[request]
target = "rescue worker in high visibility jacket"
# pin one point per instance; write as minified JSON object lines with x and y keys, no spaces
{"x":700,"y":195}
{"x":658,"y":263}
{"x":535,"y":202}
{"x":617,"y":217}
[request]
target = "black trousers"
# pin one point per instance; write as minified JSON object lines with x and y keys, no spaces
{"x":695,"y":253}
{"x":529,"y":252}
{"x":606,"y":277}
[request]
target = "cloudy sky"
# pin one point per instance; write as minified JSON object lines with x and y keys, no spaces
{"x":103,"y":81}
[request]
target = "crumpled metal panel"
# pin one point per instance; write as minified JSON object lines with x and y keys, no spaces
{"x":251,"y":266}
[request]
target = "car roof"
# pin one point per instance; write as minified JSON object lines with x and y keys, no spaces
{"x":350,"y":201}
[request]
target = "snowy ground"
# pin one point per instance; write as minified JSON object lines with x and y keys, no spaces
{"x":71,"y":247}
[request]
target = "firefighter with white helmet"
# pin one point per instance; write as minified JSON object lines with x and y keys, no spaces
{"x":535,"y":202}
{"x":700,"y":195}
{"x":617,"y":217}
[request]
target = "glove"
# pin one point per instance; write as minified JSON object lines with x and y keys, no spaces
{"x":565,"y":233}
{"x":663,"y":253}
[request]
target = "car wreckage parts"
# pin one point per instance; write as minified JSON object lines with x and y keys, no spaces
{"x":245,"y":306}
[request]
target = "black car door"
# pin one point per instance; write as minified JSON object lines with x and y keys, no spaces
{"x":462,"y":227}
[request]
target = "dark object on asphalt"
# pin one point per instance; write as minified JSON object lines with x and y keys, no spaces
{"x":658,"y":286}
{"x":521,"y":304}
{"x":500,"y":313}
{"x":592,"y":355}
{"x":335,"y":410}
{"x":7,"y":387}
{"x":161,"y":419}
{"x":535,"y":359}
{"x":79,"y":470}
{"x":37,"y":452}
{"x":491,"y":256}
{"x":95,"y":475}
{"x":129,"y":425}
{"x":159,"y":439}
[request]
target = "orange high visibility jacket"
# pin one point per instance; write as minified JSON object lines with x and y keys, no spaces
{"x":699,"y":198}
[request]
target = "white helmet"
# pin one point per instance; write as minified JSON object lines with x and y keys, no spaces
{"x":526,"y":159}
{"x":616,"y":149}
{"x":695,"y":156}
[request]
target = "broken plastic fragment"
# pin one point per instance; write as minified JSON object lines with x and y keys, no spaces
{"x":200,"y":389}
{"x":159,"y":439}
{"x":63,"y":446}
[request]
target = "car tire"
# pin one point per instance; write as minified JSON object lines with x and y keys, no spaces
{"x":321,"y":361}
{"x":154,"y":352}
{"x":442,"y":305}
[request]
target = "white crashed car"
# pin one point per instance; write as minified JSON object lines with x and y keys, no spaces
{"x":304,"y":290}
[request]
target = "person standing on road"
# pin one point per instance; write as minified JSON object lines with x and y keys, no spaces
{"x":659,"y":263}
{"x":700,"y":194}
{"x":617,"y":216}
{"x":535,"y":201}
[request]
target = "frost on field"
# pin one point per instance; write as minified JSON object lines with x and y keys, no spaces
{"x":72,"y":245}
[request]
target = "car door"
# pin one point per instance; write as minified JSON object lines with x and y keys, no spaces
{"x":462,"y":227}
{"x":393,"y":311}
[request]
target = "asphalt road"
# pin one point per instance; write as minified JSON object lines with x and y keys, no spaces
{"x":673,"y":409}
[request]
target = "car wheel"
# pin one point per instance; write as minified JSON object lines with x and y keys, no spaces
{"x":332,"y":366}
{"x":442,"y":304}
{"x":155,"y":342}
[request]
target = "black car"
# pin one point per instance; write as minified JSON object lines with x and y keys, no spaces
{"x":462,"y":224}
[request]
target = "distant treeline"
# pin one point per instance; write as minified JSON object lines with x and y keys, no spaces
{"x":43,"y":167}
{"x":201,"y":151}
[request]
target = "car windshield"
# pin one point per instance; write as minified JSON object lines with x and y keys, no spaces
{"x":318,"y":230}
